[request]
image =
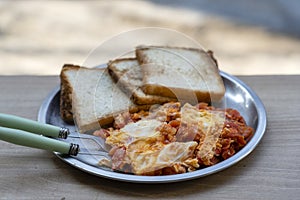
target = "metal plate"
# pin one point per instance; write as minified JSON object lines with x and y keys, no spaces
{"x":238,"y":96}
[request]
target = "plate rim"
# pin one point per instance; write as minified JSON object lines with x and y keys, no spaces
{"x":244,"y":152}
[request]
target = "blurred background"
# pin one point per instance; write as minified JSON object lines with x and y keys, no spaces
{"x":247,"y":37}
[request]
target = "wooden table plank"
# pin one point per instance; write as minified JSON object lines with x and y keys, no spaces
{"x":271,"y":171}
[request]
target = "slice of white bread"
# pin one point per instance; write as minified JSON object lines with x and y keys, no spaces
{"x":185,"y":73}
{"x":129,"y":77}
{"x":95,"y":99}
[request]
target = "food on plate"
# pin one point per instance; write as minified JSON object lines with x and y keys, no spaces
{"x":154,"y":111}
{"x":91,"y":97}
{"x":182,"y":73}
{"x":129,"y":77}
{"x":174,"y":139}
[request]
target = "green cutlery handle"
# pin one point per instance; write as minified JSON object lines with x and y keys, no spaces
{"x":24,"y":138}
{"x":15,"y":122}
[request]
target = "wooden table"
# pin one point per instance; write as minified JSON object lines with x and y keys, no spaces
{"x":271,"y":171}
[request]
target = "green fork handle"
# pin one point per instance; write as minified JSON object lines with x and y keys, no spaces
{"x":24,"y":138}
{"x":15,"y":122}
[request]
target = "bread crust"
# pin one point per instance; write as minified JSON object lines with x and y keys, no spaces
{"x":66,"y":92}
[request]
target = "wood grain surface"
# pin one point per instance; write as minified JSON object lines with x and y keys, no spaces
{"x":271,"y":171}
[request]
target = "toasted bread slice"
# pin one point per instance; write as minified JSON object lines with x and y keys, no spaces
{"x":95,"y":99}
{"x":188,"y":74}
{"x":129,"y":77}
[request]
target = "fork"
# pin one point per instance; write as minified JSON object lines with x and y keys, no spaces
{"x":26,"y":132}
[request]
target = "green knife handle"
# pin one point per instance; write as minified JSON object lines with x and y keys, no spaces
{"x":24,"y":138}
{"x":11,"y":121}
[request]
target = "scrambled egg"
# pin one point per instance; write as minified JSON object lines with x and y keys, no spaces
{"x":144,"y":146}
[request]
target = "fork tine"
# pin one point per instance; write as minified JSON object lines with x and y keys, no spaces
{"x":89,"y":141}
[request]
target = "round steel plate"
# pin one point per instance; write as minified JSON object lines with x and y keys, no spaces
{"x":238,"y":96}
